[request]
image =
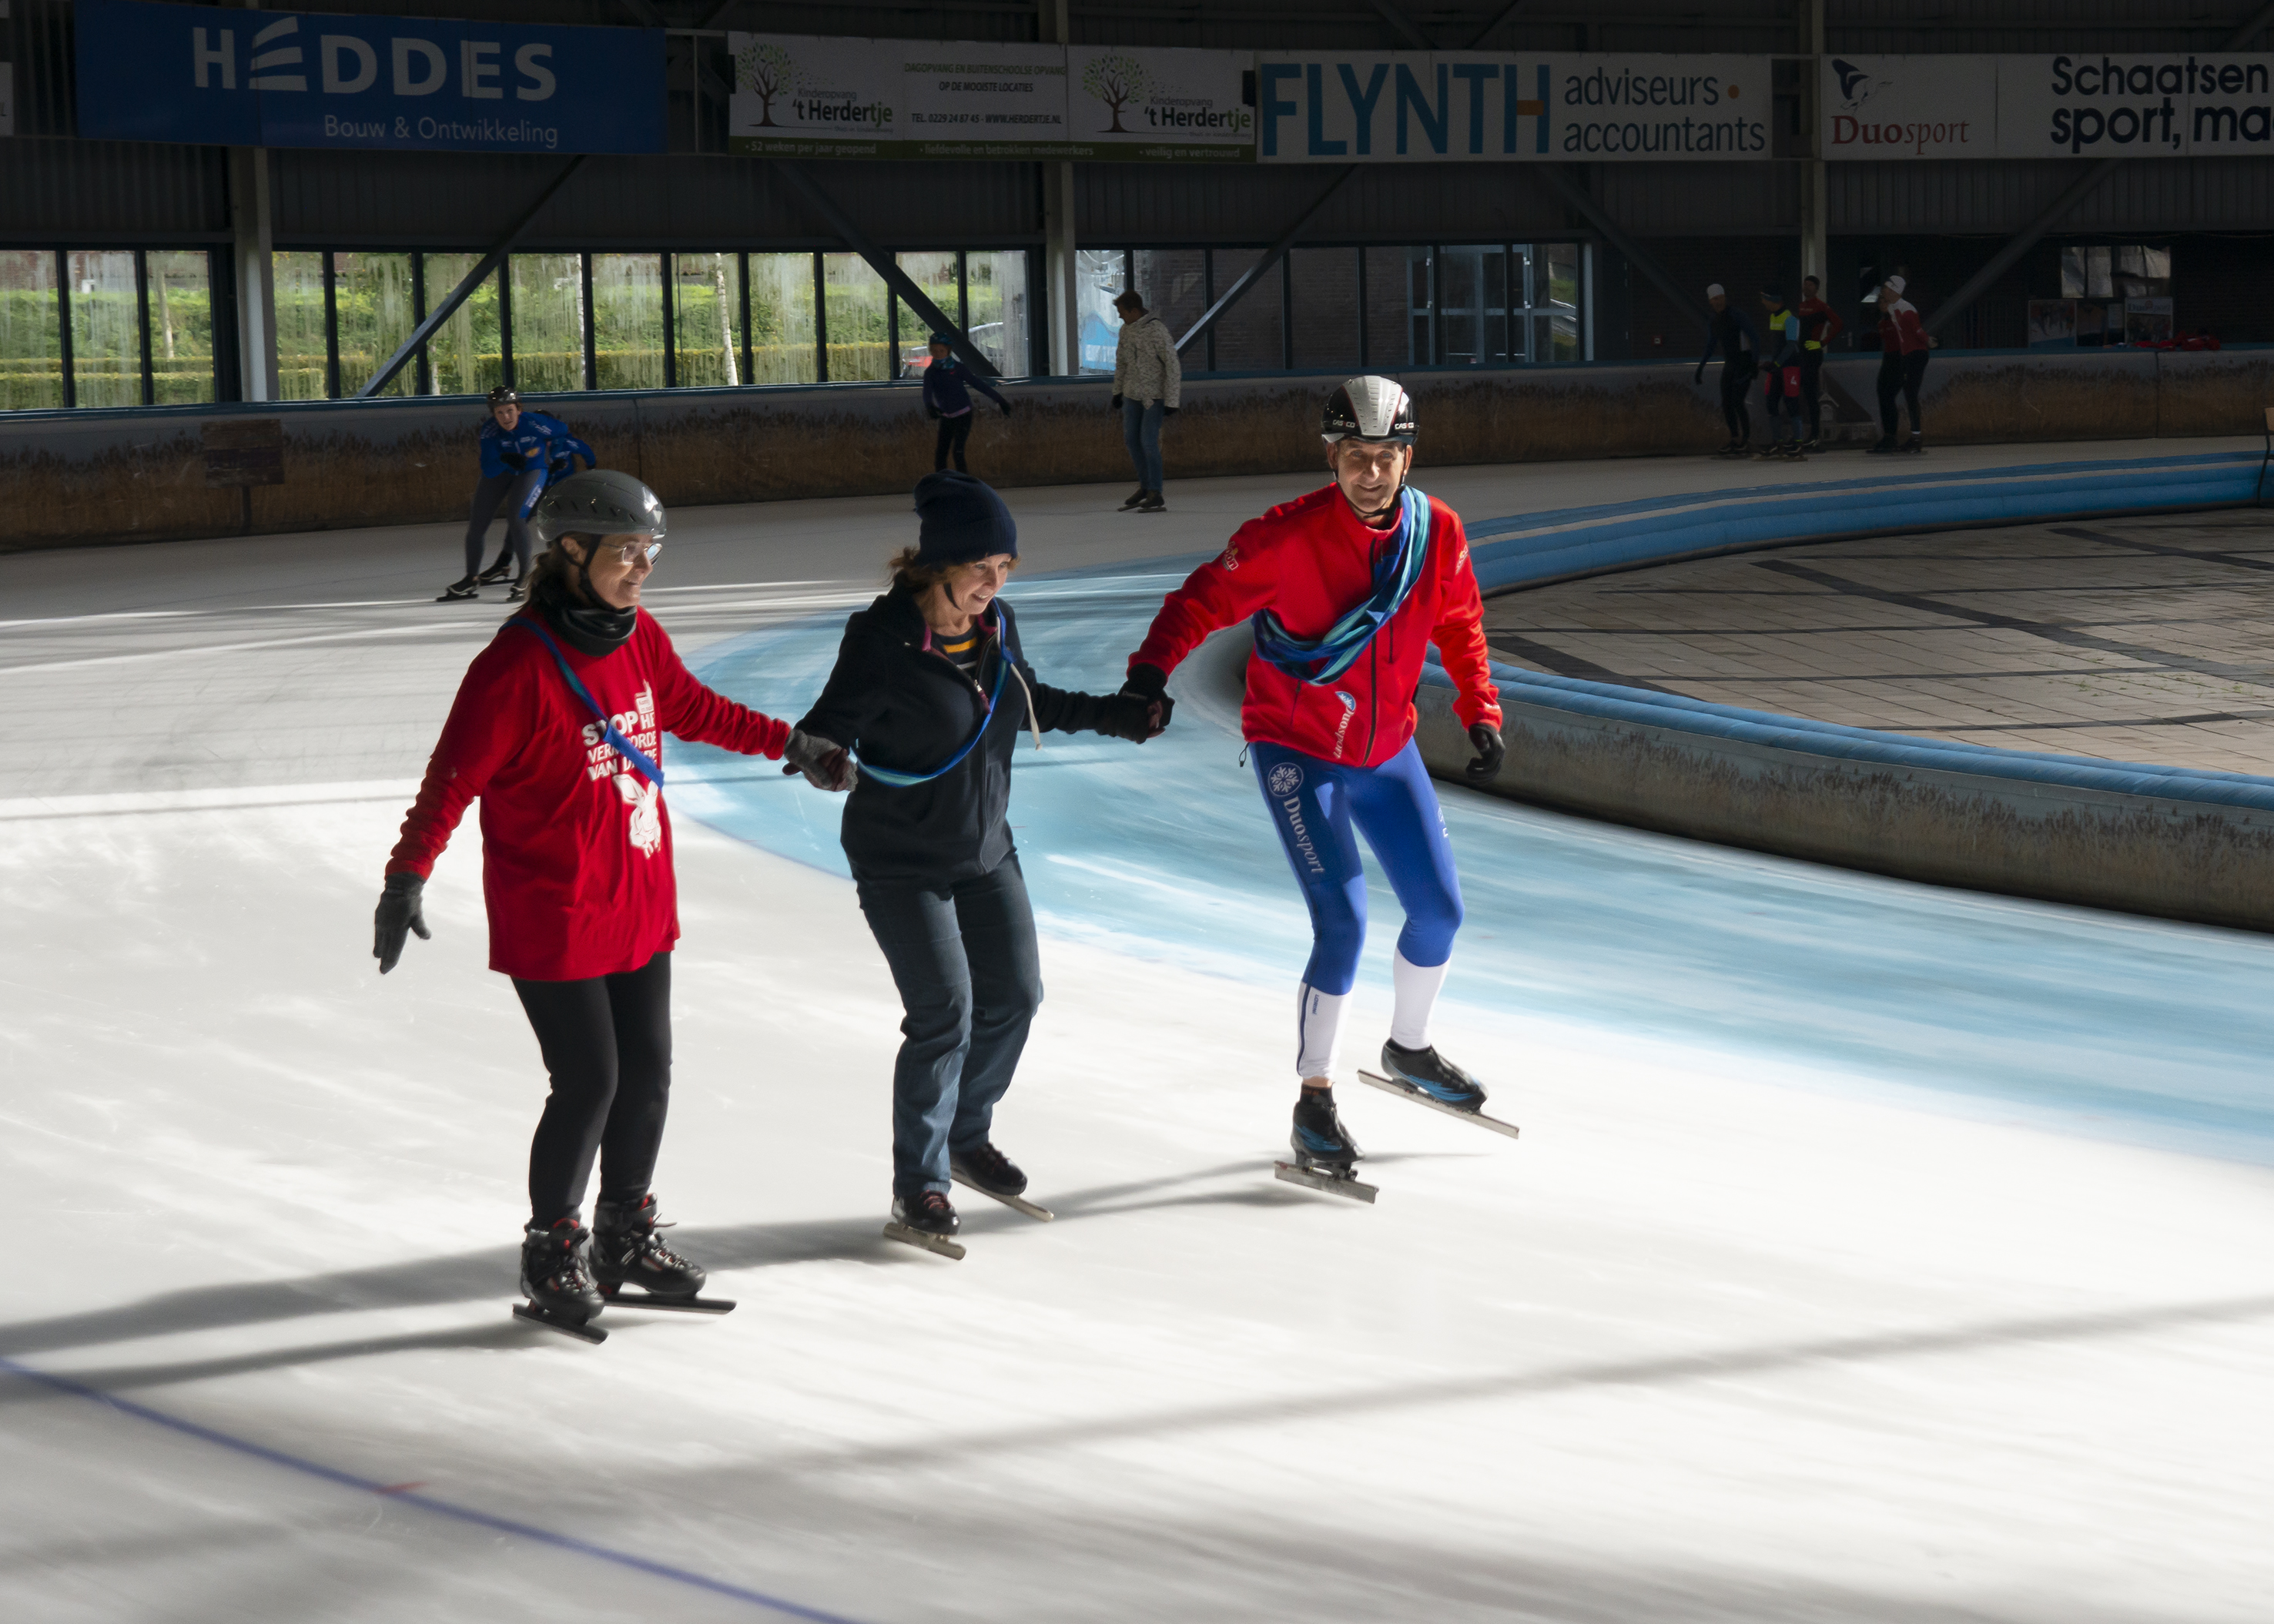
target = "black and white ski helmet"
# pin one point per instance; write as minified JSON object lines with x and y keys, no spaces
{"x":599,"y":501}
{"x":1371,"y":408}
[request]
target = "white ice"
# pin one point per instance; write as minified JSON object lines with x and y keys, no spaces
{"x":1872,"y":1252}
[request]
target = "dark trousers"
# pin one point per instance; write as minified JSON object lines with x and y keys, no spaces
{"x":1735,"y":411}
{"x":512,"y":493}
{"x":954,"y":433}
{"x":1901,"y":374}
{"x":969,"y":972}
{"x":606,"y":1042}
{"x":1811,"y":390}
{"x":1141,"y":431}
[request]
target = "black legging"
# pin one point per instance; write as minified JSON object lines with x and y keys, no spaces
{"x":1736,"y":382}
{"x":1900,"y":374}
{"x":1811,"y":390}
{"x":954,"y":431}
{"x":512,"y":492}
{"x":606,"y":1040}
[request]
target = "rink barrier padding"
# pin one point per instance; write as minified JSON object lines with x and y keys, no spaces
{"x":95,"y":476}
{"x":2175,"y":842}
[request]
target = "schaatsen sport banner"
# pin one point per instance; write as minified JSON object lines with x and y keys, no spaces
{"x":806,"y":97}
{"x":1411,"y":107}
{"x":220,"y":77}
{"x":2089,"y":105}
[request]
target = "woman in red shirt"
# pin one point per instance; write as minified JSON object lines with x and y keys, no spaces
{"x":558,"y":727}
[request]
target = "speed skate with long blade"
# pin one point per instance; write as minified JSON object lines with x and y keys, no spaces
{"x":1407,"y":1091}
{"x":1016,"y":1203}
{"x":1342,"y":1183}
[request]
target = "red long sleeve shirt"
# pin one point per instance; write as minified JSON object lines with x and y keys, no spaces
{"x":1820,"y":324}
{"x":577,"y":865}
{"x":1900,"y":332}
{"x":1311,"y":561}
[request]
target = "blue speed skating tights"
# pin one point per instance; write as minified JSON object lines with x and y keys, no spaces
{"x":1320,"y":808}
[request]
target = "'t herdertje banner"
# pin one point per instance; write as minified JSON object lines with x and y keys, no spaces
{"x":799,"y":97}
{"x":2089,"y":105}
{"x":1412,"y":106}
{"x":228,"y":77}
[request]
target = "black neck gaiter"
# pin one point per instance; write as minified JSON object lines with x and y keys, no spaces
{"x":589,"y":628}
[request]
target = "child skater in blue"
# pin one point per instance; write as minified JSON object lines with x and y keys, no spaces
{"x":947,"y":399}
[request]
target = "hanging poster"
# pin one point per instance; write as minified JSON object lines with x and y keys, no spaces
{"x":1157,"y":106}
{"x":1910,"y":107}
{"x":2098,"y":104}
{"x":962,"y":101}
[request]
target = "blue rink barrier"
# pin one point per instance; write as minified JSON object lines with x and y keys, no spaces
{"x":2179,"y":842}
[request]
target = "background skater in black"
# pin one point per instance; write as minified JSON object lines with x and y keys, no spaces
{"x":932,"y":692}
{"x":947,"y":399}
{"x":1740,"y":347}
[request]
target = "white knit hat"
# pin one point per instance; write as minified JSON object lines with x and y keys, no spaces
{"x":1895,"y":286}
{"x":1714,"y":290}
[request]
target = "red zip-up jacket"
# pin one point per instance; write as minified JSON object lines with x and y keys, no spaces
{"x":1820,"y":324}
{"x":1311,"y":561}
{"x":1901,"y":331}
{"x":577,"y":865}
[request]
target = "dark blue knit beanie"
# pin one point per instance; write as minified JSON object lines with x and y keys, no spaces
{"x":962,"y":519}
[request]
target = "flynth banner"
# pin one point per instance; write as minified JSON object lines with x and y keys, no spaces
{"x":1412,"y":106}
{"x":804,"y":97}
{"x":2098,"y":105}
{"x":217,"y":76}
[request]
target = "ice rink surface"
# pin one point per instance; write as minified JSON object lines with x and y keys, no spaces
{"x":1872,"y":1252}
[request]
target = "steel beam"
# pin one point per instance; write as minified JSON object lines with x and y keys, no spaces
{"x":474,"y":278}
{"x":885,"y":265}
{"x":1272,"y":255}
{"x":1407,"y":28}
{"x":1487,"y":32}
{"x":1568,"y":186}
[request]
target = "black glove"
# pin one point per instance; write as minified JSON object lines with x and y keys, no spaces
{"x":932,"y":412}
{"x":1168,"y":412}
{"x":1150,"y":684}
{"x":1007,"y":407}
{"x":1126,"y":716}
{"x":1698,"y":376}
{"x":1117,"y":402}
{"x":514,"y":460}
{"x":825,"y":764}
{"x":399,"y":915}
{"x":1490,"y":753}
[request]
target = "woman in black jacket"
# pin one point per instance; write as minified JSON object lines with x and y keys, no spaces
{"x":932,"y":692}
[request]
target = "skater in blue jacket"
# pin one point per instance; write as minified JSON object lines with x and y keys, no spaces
{"x":522,"y":451}
{"x":946,"y":399}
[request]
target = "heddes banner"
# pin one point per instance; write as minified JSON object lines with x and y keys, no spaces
{"x":221,"y":77}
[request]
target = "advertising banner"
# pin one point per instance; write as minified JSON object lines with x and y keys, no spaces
{"x":1415,"y":107}
{"x":220,"y":77}
{"x":1910,"y":107}
{"x":802,"y":97}
{"x":2104,"y":105}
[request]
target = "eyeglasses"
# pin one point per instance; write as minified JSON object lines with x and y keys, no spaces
{"x":636,"y":552}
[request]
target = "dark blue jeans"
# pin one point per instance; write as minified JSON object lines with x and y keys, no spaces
{"x":1141,"y":429}
{"x":964,"y":957}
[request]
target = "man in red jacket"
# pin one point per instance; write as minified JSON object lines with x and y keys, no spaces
{"x":1347,"y":588}
{"x":558,"y":729}
{"x":1904,"y":346}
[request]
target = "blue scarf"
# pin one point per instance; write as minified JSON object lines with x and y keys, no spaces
{"x":1325,"y":659}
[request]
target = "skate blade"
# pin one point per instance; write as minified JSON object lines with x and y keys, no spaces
{"x":1016,"y":1203}
{"x":1391,"y":1085}
{"x":585,"y":1333}
{"x":1343,"y":1184}
{"x":672,"y":1305}
{"x":923,"y":1242}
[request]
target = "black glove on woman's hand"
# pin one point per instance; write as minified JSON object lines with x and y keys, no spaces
{"x":1126,"y":716}
{"x":826,"y":763}
{"x":1150,"y":684}
{"x":1490,"y":753}
{"x":1117,"y":403}
{"x":399,"y":915}
{"x":1170,"y":411}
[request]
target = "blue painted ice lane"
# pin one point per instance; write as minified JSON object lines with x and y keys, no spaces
{"x":2096,"y":1023}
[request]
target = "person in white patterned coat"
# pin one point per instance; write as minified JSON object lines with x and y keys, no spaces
{"x":1147,"y":386}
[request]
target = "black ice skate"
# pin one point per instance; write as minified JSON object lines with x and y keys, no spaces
{"x":1735,"y":448}
{"x":1324,"y":1152}
{"x":925,"y":1220}
{"x":1427,"y":1077}
{"x":461,"y":589}
{"x":628,"y":1251}
{"x":558,"y":1282}
{"x":1135,"y":497}
{"x":520,"y":587}
{"x":991,"y":1173}
{"x":498,"y":571}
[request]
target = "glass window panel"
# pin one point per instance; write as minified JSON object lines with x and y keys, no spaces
{"x":782,"y":345}
{"x":1248,"y":337}
{"x":627,"y":320}
{"x":1386,"y":337}
{"x":2072,"y":283}
{"x":302,"y":370}
{"x":372,"y":293}
{"x":548,"y":322}
{"x":181,"y":327}
{"x":996,"y":284}
{"x":858,"y":351}
{"x":934,"y":273}
{"x":106,"y":328}
{"x":706,"y":306}
{"x":1099,"y":275}
{"x":1326,"y":307}
{"x":31,"y":330}
{"x":1173,"y":283}
{"x":2097,"y":273}
{"x":465,"y":355}
{"x":2156,"y":264}
{"x":1562,"y":261}
{"x":1421,"y":347}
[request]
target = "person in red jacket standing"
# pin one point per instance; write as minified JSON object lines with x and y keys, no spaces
{"x":1348,"y":586}
{"x":1820,"y":325}
{"x":558,"y":727}
{"x":1902,"y":363}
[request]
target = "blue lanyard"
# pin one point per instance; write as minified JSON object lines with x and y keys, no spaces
{"x":624,"y":747}
{"x":902,"y":781}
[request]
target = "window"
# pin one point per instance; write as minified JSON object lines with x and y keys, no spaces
{"x":935,"y":274}
{"x":374,"y":297}
{"x":31,"y":331}
{"x":1494,"y":304}
{"x":996,"y":311}
{"x":627,"y":320}
{"x":784,"y":345}
{"x":706,"y":318}
{"x":303,"y":363}
{"x":547,"y":295}
{"x":466,"y":354}
{"x":857,"y":347}
{"x":106,"y":330}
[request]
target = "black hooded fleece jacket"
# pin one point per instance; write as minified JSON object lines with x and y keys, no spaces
{"x":907,"y":708}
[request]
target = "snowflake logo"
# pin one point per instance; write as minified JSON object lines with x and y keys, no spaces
{"x":1284,"y":780}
